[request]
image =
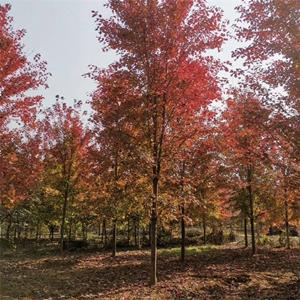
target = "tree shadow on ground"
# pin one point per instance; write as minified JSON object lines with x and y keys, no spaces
{"x":211,"y":275}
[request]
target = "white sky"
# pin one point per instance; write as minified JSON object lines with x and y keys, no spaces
{"x":63,"y":32}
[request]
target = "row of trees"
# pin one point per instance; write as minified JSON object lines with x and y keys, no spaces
{"x":167,"y":141}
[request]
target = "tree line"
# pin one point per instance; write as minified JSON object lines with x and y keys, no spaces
{"x":168,"y":140}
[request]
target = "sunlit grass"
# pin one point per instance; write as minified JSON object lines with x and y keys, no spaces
{"x":192,"y":250}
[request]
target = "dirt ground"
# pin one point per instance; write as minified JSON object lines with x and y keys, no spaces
{"x":208,"y":273}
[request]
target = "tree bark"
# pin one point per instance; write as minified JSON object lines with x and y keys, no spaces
{"x":149,"y":233}
{"x":17,"y":228}
{"x":144,"y":236}
{"x":137,"y":233}
{"x":251,"y":206}
{"x":182,"y":253}
{"x":204,"y":229}
{"x":99,"y":228}
{"x":83,"y":229}
{"x":70,"y":232}
{"x":287,"y":225}
{"x":182,"y":234}
{"x":245,"y":232}
{"x":63,"y":220}
{"x":114,"y":239}
{"x":15,"y":232}
{"x":37,"y":233}
{"x":52,"y":233}
{"x":128,"y":231}
{"x":104,"y":233}
{"x":19,"y":231}
{"x":153,"y":274}
{"x":7,"y":235}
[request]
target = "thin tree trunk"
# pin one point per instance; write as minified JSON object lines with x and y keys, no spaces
{"x":153,"y":274}
{"x":114,"y":239}
{"x":52,"y":234}
{"x":83,"y":230}
{"x":86,"y":230}
{"x":204,"y":229}
{"x":138,"y":234}
{"x":245,"y":232}
{"x":182,"y":256}
{"x":70,"y":232}
{"x":17,"y":228}
{"x":19,"y":231}
{"x":137,"y":238}
{"x":287,"y":226}
{"x":99,"y":228}
{"x":252,"y":226}
{"x":74,"y":231}
{"x":15,"y":232}
{"x":116,"y":198}
{"x":128,"y":231}
{"x":182,"y":234}
{"x":63,"y":220}
{"x":135,"y":233}
{"x":149,"y":233}
{"x":7,"y":235}
{"x":144,"y":235}
{"x":104,"y":233}
{"x":251,"y":205}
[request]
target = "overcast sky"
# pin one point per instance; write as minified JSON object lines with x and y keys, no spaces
{"x":63,"y":32}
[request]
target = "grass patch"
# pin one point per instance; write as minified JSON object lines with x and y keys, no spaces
{"x":191,"y":250}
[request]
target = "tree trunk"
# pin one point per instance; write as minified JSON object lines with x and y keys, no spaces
{"x":52,"y":234}
{"x":104,"y":233}
{"x":74,"y":231}
{"x":251,"y":206}
{"x":70,"y":232}
{"x":84,"y":233}
{"x":37,"y":233}
{"x":204,"y":229}
{"x":182,"y":256}
{"x":19,"y":231}
{"x":99,"y":228}
{"x":287,"y":226}
{"x":245,"y":232}
{"x":114,"y":239}
{"x":15,"y":232}
{"x":128,"y":231}
{"x":63,"y":221}
{"x":86,"y":230}
{"x":149,"y":233}
{"x":144,"y":236}
{"x":182,"y":234}
{"x":153,"y":239}
{"x":137,"y":234}
{"x":17,"y":228}
{"x":153,"y":274}
{"x":7,"y":235}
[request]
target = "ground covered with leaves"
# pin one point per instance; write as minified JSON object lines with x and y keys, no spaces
{"x":208,"y":273}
